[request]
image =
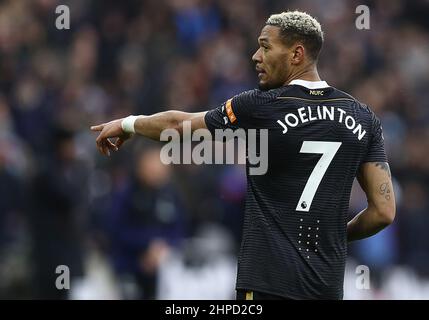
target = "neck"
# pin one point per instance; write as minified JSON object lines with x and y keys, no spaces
{"x":309,"y":74}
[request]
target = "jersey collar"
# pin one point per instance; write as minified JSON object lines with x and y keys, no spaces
{"x":310,"y":84}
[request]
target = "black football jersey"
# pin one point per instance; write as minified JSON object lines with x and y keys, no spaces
{"x":295,"y":223}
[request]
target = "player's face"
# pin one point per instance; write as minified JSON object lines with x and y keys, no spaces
{"x":271,"y":59}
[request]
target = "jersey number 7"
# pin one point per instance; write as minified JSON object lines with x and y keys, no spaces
{"x":328,"y":151}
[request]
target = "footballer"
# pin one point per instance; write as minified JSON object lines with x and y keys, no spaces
{"x":295,"y":230}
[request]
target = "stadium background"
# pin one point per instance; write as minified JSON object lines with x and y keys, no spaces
{"x":129,"y":227}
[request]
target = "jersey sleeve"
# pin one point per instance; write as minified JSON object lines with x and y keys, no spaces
{"x":376,"y":151}
{"x":232,"y":114}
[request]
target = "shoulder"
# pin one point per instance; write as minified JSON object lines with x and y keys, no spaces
{"x":252,"y":99}
{"x":342,"y":94}
{"x":254,"y":96}
{"x":362,"y":107}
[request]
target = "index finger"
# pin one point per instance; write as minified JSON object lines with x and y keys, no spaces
{"x":97,"y":127}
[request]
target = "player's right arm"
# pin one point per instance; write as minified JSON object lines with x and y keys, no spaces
{"x":375,"y":179}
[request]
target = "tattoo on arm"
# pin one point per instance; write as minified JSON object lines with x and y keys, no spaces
{"x":385,"y":190}
{"x":384,"y":166}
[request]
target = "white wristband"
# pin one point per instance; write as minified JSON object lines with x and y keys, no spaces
{"x":128,"y":124}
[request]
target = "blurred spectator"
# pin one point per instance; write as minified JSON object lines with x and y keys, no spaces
{"x":146,"y":219}
{"x":57,"y":216}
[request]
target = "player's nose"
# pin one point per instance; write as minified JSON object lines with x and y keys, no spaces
{"x":257,"y":56}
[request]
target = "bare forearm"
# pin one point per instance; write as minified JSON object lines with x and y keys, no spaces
{"x":152,"y":126}
{"x":148,"y":126}
{"x":365,"y":224}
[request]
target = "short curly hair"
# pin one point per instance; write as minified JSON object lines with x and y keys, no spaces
{"x":299,"y":26}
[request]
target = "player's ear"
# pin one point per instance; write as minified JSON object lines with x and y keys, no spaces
{"x":297,"y":54}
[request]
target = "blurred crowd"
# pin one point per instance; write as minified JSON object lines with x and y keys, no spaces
{"x":61,"y":201}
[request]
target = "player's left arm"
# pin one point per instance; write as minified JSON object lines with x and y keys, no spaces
{"x":147,"y":126}
{"x":231,"y":114}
